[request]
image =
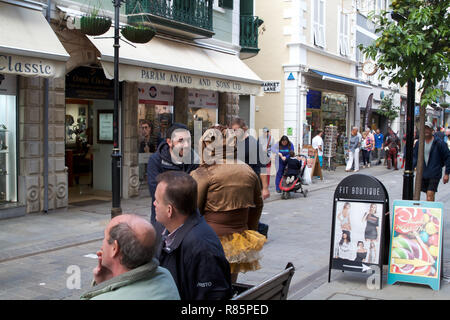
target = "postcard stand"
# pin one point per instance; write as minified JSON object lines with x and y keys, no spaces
{"x":364,"y":199}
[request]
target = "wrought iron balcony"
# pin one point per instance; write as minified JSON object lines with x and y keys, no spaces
{"x":249,"y":35}
{"x":186,"y":16}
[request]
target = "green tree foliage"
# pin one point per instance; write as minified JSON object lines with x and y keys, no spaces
{"x":417,"y":46}
{"x":414,"y":47}
{"x":387,"y":108}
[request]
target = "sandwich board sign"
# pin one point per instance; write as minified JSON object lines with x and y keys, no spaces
{"x":360,"y":226}
{"x":415,"y":254}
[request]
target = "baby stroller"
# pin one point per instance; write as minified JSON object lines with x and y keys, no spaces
{"x":290,"y":184}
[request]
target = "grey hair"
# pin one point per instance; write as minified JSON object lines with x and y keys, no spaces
{"x":133,"y":253}
{"x":353,"y":128}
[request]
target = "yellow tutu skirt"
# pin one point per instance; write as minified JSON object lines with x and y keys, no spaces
{"x":242,"y":250}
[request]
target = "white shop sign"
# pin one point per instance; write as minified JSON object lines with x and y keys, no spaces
{"x":203,"y":99}
{"x":272,"y":86}
{"x":155,"y":94}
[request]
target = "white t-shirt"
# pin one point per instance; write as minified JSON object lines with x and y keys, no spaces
{"x":316,"y":142}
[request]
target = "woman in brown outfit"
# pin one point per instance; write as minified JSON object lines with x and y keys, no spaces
{"x":229,"y":197}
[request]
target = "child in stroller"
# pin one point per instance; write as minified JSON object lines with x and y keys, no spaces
{"x":292,"y":178}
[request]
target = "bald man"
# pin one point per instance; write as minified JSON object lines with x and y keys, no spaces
{"x":127,"y":269}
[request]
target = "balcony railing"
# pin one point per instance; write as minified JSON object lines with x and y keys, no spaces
{"x":186,"y":14}
{"x":249,"y":32}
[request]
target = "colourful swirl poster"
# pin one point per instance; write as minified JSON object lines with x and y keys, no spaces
{"x":416,"y":244}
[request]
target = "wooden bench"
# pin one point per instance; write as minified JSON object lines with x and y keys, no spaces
{"x":275,"y":288}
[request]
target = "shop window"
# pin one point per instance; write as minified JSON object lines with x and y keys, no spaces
{"x":155,"y":116}
{"x":79,"y":142}
{"x":202,"y":112}
{"x":8,"y":151}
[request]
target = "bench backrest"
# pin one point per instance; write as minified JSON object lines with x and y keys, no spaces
{"x":275,"y":288}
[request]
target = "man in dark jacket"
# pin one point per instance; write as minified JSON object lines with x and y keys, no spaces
{"x":190,"y":249}
{"x":391,"y":145}
{"x":173,"y":154}
{"x":436,"y":156}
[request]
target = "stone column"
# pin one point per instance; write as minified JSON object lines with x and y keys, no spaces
{"x":302,"y":116}
{"x":180,"y":104}
{"x":130,"y":160}
{"x":31,"y":144}
{"x":228,"y":107}
{"x":57,"y":173}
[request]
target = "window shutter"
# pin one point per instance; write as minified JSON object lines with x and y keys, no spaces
{"x":246,"y":7}
{"x":226,"y":4}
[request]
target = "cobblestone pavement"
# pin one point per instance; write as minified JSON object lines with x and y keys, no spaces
{"x":37,"y":251}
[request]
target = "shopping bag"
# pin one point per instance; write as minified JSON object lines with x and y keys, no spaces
{"x":307,"y":176}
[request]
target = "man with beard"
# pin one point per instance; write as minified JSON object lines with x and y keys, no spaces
{"x":174,"y":153}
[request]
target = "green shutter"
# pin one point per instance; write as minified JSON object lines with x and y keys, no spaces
{"x":226,"y":4}
{"x":246,"y":7}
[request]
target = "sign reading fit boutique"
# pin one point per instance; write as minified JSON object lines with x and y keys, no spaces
{"x":147,"y":75}
{"x":27,"y":66}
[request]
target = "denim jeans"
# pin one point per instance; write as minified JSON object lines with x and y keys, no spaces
{"x":366,"y":156}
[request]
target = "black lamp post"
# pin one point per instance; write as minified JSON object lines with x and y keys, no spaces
{"x":116,"y":155}
{"x":408,"y":174}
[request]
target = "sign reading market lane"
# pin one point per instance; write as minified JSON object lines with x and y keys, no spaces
{"x":24,"y":66}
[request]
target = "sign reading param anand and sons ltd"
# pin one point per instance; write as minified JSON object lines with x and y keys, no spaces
{"x":29,"y":66}
{"x":177,"y":79}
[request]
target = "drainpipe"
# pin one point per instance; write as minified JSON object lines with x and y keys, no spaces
{"x":46,"y":102}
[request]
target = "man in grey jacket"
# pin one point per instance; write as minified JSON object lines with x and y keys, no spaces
{"x":127,"y":269}
{"x":353,"y":150}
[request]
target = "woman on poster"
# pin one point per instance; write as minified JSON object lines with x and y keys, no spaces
{"x":361,"y":252}
{"x":344,"y":218}
{"x":372,"y":253}
{"x":372,"y":225}
{"x":344,"y":249}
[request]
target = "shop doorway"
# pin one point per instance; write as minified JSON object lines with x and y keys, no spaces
{"x":314,"y":119}
{"x":86,"y":157}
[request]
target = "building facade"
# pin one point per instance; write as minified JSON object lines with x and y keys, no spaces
{"x":309,"y":48}
{"x":369,"y":99}
{"x":190,"y":72}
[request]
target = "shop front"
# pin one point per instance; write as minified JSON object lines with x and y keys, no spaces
{"x":8,"y":140}
{"x":368,"y":104}
{"x":32,"y":68}
{"x":88,"y":134}
{"x":166,"y":81}
{"x":327,"y":109}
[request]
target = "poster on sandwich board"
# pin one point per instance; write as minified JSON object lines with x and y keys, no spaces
{"x":416,"y":246}
{"x":360,"y":223}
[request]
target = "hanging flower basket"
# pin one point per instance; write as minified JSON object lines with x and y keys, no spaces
{"x":94,"y":25}
{"x":138,"y":34}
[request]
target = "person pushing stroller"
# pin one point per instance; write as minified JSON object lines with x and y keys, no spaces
{"x":293,"y":167}
{"x":292,"y":179}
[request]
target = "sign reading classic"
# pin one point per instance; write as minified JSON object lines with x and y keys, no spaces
{"x":26,"y":66}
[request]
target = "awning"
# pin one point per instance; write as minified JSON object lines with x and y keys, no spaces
{"x":28,"y":45}
{"x":174,"y":63}
{"x":340,"y":79}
